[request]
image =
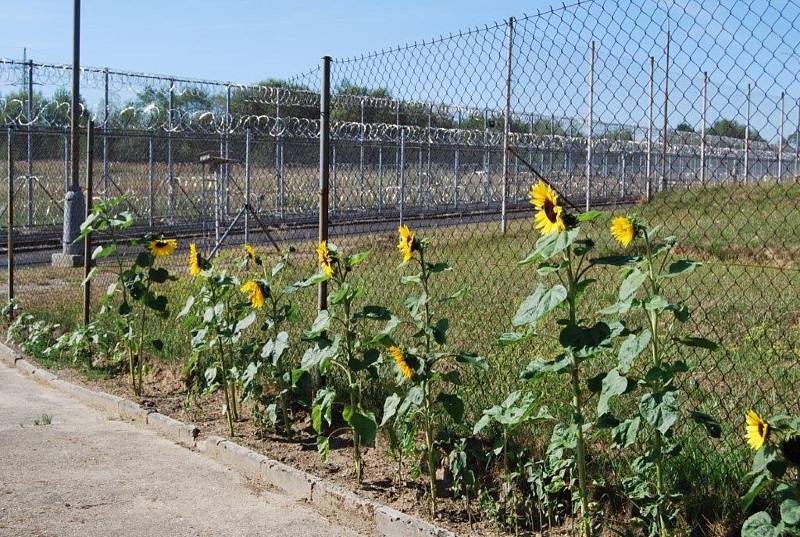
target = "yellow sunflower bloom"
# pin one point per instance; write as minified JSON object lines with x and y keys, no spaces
{"x":400,"y":360}
{"x":255,"y":293}
{"x":195,"y":263}
{"x":325,"y":259}
{"x":549,"y":216}
{"x":406,"y":244}
{"x":162,"y":247}
{"x":757,"y":430}
{"x":623,"y":230}
{"x":252,"y":255}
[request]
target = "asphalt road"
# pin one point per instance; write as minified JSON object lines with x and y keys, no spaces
{"x":84,"y":475}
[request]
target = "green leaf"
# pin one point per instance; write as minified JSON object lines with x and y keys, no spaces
{"x":613,"y":384}
{"x":632,"y":282}
{"x":158,"y":344}
{"x":375,"y":313}
{"x":322,"y":408}
{"x":414,"y":278}
{"x":323,"y":447}
{"x":759,"y":525}
{"x":144,"y":259}
{"x":539,"y":303}
{"x":158,"y":275}
{"x":660,"y":410}
{"x":701,"y":342}
{"x":390,"y":408}
{"x":158,"y":303}
{"x":453,"y":405}
{"x":104,"y":250}
{"x":759,"y":483}
{"x":711,"y":425}
{"x":790,"y":511}
{"x":472,"y":359}
{"x":187,"y":307}
{"x":511,"y":338}
{"x":614,"y":260}
{"x":440,"y":331}
{"x":656,"y":303}
{"x":481,"y":424}
{"x":352,"y":260}
{"x":588,"y":216}
{"x":632,"y":347}
{"x":460,"y":293}
{"x":363,"y":422}
{"x":438,"y":267}
{"x":586,"y":341}
{"x":550,"y":245}
{"x":245,"y":323}
{"x":321,"y":324}
{"x":683,"y":266}
{"x":537,"y":367}
{"x":624,"y":435}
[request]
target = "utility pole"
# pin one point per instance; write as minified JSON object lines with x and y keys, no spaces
{"x":74,"y":207}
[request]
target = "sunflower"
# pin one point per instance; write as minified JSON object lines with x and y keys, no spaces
{"x":407,"y":243}
{"x":400,"y":360}
{"x":791,"y":449}
{"x":757,"y":430}
{"x":623,"y":229}
{"x":195,"y":262}
{"x":252,"y":255}
{"x":325,"y":259}
{"x":162,"y":247}
{"x":255,"y":293}
{"x":549,"y":214}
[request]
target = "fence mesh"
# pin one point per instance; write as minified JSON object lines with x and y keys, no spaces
{"x":687,"y":111}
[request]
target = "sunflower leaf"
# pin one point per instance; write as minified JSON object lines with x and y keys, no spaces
{"x":684,"y":266}
{"x":539,"y":303}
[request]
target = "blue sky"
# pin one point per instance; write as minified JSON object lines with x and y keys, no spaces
{"x":238,"y":40}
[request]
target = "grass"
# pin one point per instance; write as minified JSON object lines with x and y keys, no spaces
{"x":744,"y":297}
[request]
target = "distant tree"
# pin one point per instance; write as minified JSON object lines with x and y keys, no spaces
{"x":684,"y":127}
{"x":732,"y":129}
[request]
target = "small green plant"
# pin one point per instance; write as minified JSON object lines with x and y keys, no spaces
{"x":519,"y":408}
{"x":33,"y":335}
{"x":217,"y":351}
{"x":135,"y":283}
{"x":426,"y":366}
{"x":660,"y":401}
{"x":561,"y":253}
{"x":87,"y":346}
{"x":340,"y":346}
{"x":43,"y":419}
{"x":465,"y":481}
{"x":9,"y":311}
{"x":776,"y":464}
{"x":273,"y":372}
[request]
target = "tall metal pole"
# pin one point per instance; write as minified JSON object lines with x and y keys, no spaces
{"x":87,"y":240}
{"x":703,"y":130}
{"x":649,"y":165}
{"x":797,"y":142}
{"x":247,"y":184}
{"x":591,"y":128}
{"x":170,"y":185}
{"x":747,"y":139}
{"x":361,"y":134}
{"x":402,"y":174}
{"x":29,"y":175}
{"x":106,"y":108}
{"x":663,"y":183}
{"x":10,"y":214}
{"x":151,"y":177}
{"x":507,"y":127}
{"x":780,"y":142}
{"x":73,"y":201}
{"x":324,"y":165}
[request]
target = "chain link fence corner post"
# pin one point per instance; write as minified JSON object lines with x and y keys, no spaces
{"x":507,"y":126}
{"x":10,"y":214}
{"x":324,"y":165}
{"x":87,"y":240}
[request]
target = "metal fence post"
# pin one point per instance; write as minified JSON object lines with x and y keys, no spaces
{"x":247,"y":184}
{"x":456,"y":162}
{"x":226,"y":152}
{"x":87,"y":240}
{"x":486,"y":157}
{"x":649,"y":164}
{"x":780,"y":142}
{"x":151,"y":179}
{"x":170,"y":184}
{"x":797,"y":142}
{"x":703,"y":130}
{"x":106,"y":110}
{"x":324,"y":166}
{"x":10,"y":214}
{"x":663,"y":183}
{"x":402,"y":192}
{"x":380,"y":175}
{"x":507,"y":127}
{"x":747,"y":139}
{"x":591,"y":128}
{"x":361,"y":133}
{"x":29,"y":175}
{"x":66,"y":160}
{"x":278,"y":156}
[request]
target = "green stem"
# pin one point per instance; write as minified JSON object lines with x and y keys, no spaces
{"x":429,"y":433}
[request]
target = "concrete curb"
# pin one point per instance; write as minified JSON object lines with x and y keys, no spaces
{"x":297,"y":484}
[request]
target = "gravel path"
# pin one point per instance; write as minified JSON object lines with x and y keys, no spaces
{"x":84,"y":475}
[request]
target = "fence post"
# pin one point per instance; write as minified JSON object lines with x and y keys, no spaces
{"x":797,"y":141}
{"x":780,"y":143}
{"x":226,"y":153}
{"x":747,"y":139}
{"x":105,"y":131}
{"x":380,"y":174}
{"x":170,"y":184}
{"x":361,"y":133}
{"x":486,"y":159}
{"x":663,"y":183}
{"x":456,"y":162}
{"x":703,"y":131}
{"x":591,"y":128}
{"x":402,"y":193}
{"x":87,"y":240}
{"x":247,"y":184}
{"x":649,"y":164}
{"x":278,"y":151}
{"x":324,"y":165}
{"x":428,"y":179}
{"x":29,"y":175}
{"x":150,"y":179}
{"x":507,"y":127}
{"x":10,"y":214}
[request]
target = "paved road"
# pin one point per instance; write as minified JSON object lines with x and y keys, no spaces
{"x":86,"y":476}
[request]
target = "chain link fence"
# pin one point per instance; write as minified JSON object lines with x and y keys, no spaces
{"x":687,"y":113}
